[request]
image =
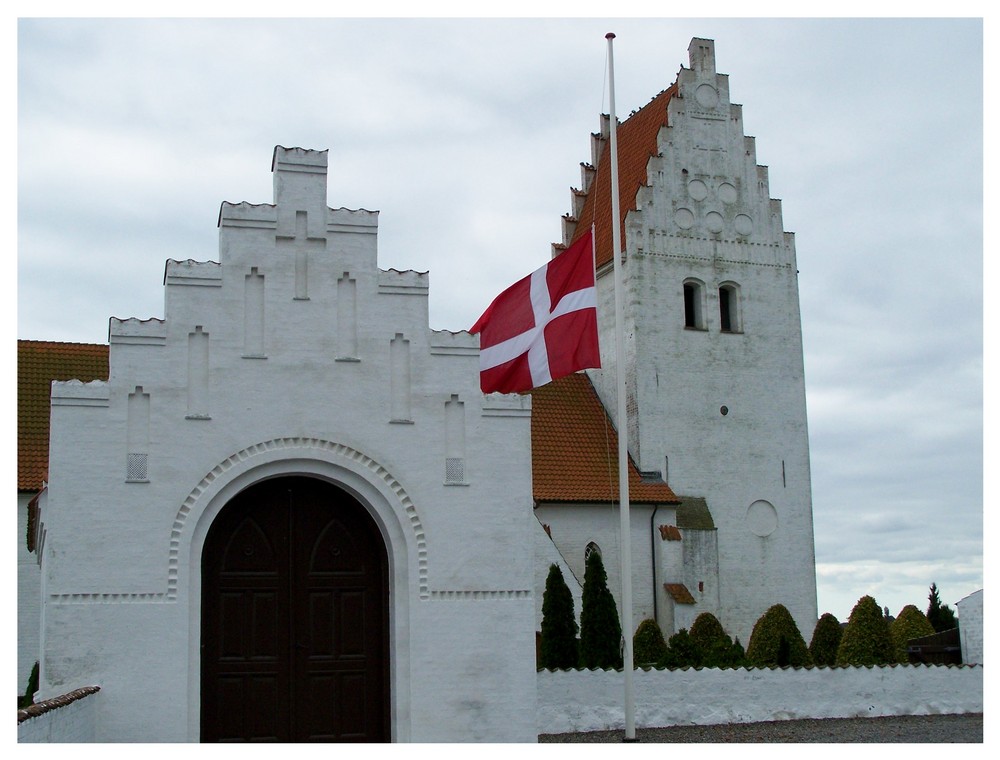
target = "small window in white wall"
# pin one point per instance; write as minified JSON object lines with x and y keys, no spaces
{"x":591,"y":548}
{"x":694,"y":304}
{"x":729,"y":307}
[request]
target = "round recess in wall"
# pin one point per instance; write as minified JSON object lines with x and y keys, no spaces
{"x":707,"y":96}
{"x":697,"y":189}
{"x":683,"y":218}
{"x":723,"y":410}
{"x":762,"y":518}
{"x":743,"y":224}
{"x":714,"y":221}
{"x":727,"y":193}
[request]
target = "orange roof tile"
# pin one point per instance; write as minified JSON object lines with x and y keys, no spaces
{"x":670,"y":533}
{"x":636,"y":138}
{"x":679,"y":593}
{"x":574,"y":448}
{"x":38,"y":364}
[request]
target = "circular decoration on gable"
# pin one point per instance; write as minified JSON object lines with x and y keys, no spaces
{"x":697,"y":189}
{"x":762,"y":518}
{"x":743,"y":224}
{"x":714,"y":221}
{"x":707,"y":96}
{"x":683,"y":218}
{"x":727,"y":193}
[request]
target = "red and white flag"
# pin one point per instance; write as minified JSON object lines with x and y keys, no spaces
{"x":543,"y":326}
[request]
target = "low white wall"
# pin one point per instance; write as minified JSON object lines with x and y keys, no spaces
{"x":592,"y":700}
{"x":71,"y":718}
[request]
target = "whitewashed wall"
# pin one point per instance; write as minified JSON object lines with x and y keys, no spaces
{"x":71,"y":718}
{"x":28,"y":597}
{"x":970,"y":627}
{"x":706,"y":215}
{"x":290,"y":356}
{"x":591,"y":700}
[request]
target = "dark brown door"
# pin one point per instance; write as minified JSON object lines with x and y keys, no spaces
{"x":294,"y":617}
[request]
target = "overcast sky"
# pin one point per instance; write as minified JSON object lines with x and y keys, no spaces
{"x":467,"y":135}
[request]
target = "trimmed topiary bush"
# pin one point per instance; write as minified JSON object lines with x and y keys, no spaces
{"x":825,"y":640}
{"x":715,"y":648}
{"x":910,"y":624}
{"x":559,"y":648}
{"x":776,"y":640}
{"x":600,"y":631}
{"x":866,"y":639}
{"x":648,"y":646}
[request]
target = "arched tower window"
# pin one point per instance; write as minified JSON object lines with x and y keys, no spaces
{"x":694,"y":304}
{"x":729,"y":308}
{"x":591,"y":548}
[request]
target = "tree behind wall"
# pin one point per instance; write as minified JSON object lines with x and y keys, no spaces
{"x":600,"y":631}
{"x":911,"y":624}
{"x":560,"y":648}
{"x":648,"y":645}
{"x":940,"y":615}
{"x":776,"y":640}
{"x":825,"y":640}
{"x":866,"y":639}
{"x":715,"y":648}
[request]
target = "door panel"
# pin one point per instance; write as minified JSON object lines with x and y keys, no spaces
{"x":294,"y":618}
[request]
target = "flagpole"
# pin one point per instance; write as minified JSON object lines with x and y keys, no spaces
{"x":626,"y":529}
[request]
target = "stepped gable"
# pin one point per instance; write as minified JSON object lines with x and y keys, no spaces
{"x":574,"y":449}
{"x":38,"y":364}
{"x":637,"y":143}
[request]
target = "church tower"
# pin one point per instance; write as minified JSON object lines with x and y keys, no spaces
{"x":714,"y":377}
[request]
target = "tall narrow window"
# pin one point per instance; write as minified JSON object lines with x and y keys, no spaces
{"x":724,"y":314}
{"x":694,"y":311}
{"x":729,"y":307}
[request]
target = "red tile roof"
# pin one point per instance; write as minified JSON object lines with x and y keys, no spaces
{"x":574,"y":448}
{"x":38,"y":364}
{"x":636,"y":145}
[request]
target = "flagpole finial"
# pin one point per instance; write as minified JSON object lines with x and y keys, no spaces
{"x":609,"y":36}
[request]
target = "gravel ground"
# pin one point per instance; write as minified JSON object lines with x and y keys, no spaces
{"x":905,"y":729}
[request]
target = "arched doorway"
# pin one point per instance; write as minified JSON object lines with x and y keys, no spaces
{"x":294,"y":623}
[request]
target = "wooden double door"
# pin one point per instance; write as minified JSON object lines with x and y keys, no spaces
{"x":294,"y":636}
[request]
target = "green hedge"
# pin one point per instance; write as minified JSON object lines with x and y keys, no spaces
{"x":910,"y":624}
{"x":866,"y":639}
{"x":776,"y":640}
{"x":825,"y":640}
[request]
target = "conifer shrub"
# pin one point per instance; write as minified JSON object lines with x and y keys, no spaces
{"x":939,"y":615}
{"x":559,"y":648}
{"x":28,"y":698}
{"x":910,"y":624}
{"x":866,"y":639}
{"x":681,"y":651}
{"x":737,"y":655}
{"x":775,"y":640}
{"x":648,"y":646}
{"x":825,"y":640}
{"x":600,"y":631}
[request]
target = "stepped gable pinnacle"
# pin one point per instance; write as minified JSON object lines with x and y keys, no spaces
{"x":38,"y":364}
{"x":574,"y":448}
{"x":636,"y":145}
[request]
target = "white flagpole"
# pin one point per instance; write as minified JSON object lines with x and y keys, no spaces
{"x":626,"y":529}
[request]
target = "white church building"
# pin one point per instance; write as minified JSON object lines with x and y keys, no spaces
{"x":286,"y":511}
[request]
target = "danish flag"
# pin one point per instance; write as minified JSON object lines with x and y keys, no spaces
{"x":542,"y":327}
